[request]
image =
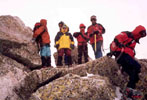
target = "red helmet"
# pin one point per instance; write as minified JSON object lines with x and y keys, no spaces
{"x":82,"y":26}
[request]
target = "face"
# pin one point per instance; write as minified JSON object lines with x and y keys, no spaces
{"x":93,"y":21}
{"x":64,"y":29}
{"x":82,"y":28}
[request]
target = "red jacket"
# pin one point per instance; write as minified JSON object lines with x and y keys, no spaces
{"x":45,"y":36}
{"x":82,"y":38}
{"x":92,"y":29}
{"x":128,"y":40}
{"x":123,"y":40}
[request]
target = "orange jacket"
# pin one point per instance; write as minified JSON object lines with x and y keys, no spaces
{"x":45,"y":35}
{"x":92,"y":29}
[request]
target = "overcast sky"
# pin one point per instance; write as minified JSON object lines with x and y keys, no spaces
{"x":114,"y":15}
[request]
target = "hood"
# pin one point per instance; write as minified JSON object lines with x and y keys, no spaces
{"x":43,"y":22}
{"x":139,"y":32}
{"x":64,"y":29}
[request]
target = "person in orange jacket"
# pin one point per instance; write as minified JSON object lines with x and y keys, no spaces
{"x":43,"y":33}
{"x":122,"y":48}
{"x":95,"y":32}
{"x":82,"y":39}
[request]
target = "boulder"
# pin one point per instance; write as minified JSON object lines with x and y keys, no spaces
{"x":15,"y":42}
{"x":11,"y":74}
{"x":74,"y":87}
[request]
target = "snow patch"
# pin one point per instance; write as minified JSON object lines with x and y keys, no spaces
{"x":118,"y":94}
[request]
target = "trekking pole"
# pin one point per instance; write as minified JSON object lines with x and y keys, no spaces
{"x":95,"y":42}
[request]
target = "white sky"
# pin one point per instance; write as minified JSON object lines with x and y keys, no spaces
{"x":114,"y":15}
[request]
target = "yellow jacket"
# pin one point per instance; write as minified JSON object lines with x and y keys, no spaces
{"x":64,"y":40}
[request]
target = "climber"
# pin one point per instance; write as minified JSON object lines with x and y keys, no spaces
{"x":44,"y":41}
{"x":122,"y":48}
{"x":64,"y":43}
{"x":82,"y":39}
{"x":60,"y":24}
{"x":95,"y":32}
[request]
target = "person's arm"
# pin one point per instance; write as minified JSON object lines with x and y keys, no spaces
{"x":38,"y":32}
{"x":76,"y":34}
{"x":102,"y":29}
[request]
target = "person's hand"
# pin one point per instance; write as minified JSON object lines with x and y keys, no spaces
{"x":56,"y":46}
{"x":72,"y":46}
{"x":96,"y":32}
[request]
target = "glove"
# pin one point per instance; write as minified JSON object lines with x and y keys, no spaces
{"x":109,"y":54}
{"x":91,"y":35}
{"x":72,"y":46}
{"x":76,"y":34}
{"x":95,"y":32}
{"x":56,"y":46}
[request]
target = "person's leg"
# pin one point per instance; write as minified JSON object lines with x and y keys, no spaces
{"x":93,"y":47}
{"x":43,"y":56}
{"x":60,"y":54}
{"x":79,"y":54}
{"x":85,"y":53}
{"x":68,"y":53}
{"x":48,"y":56}
{"x":132,"y":68}
{"x":99,"y":50}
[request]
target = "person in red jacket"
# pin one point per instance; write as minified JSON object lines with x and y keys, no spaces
{"x":43,"y":33}
{"x":95,"y":32}
{"x":123,"y":49}
{"x":82,"y":39}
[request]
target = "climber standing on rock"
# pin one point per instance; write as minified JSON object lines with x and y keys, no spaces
{"x":60,"y":24}
{"x":82,"y":39}
{"x":95,"y":32}
{"x":64,"y":43}
{"x":41,"y":36}
{"x":122,"y":48}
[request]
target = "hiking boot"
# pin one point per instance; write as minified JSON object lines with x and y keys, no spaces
{"x":132,"y":93}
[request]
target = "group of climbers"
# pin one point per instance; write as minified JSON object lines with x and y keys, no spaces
{"x":122,"y":47}
{"x":64,"y":42}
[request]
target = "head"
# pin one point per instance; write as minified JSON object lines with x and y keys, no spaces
{"x":64,"y":29}
{"x":60,"y":24}
{"x":82,"y":27}
{"x":139,"y":32}
{"x":43,"y":22}
{"x":93,"y":19}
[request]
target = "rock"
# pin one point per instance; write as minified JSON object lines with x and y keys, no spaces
{"x":74,"y":87}
{"x":11,"y":74}
{"x":15,"y":42}
{"x":14,"y":29}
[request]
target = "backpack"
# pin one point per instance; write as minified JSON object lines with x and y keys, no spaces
{"x":38,"y":38}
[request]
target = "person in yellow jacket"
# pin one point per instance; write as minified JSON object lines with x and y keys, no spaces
{"x":64,"y":43}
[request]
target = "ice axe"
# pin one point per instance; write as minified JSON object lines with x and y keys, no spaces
{"x":95,"y":42}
